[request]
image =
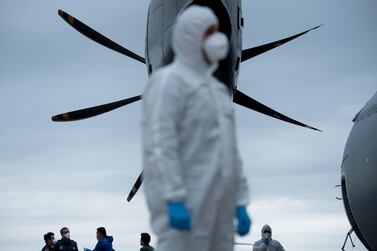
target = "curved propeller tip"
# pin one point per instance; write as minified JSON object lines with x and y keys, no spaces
{"x":318,"y":26}
{"x":61,"y":117}
{"x":68,"y":18}
{"x":313,"y":128}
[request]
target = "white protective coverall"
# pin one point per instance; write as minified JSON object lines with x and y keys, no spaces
{"x":189,"y":144}
{"x":273,"y":245}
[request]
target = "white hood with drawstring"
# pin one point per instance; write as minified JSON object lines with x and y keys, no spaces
{"x":272,"y":245}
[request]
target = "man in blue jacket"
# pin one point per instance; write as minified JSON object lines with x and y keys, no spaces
{"x":105,"y":243}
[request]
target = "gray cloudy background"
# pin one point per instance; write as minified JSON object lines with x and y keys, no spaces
{"x":79,"y":174}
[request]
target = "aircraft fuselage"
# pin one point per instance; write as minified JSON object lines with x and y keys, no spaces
{"x":359,"y":175}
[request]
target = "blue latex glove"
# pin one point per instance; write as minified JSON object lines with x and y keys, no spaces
{"x":244,"y":221}
{"x":179,"y":216}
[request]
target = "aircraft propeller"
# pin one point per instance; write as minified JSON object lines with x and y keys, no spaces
{"x":238,"y":97}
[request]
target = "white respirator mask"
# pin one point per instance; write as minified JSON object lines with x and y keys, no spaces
{"x":266,"y":236}
{"x":67,"y":236}
{"x":216,"y":47}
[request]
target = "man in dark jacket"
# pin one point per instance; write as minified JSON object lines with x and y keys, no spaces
{"x":105,"y":243}
{"x":65,"y":243}
{"x":50,"y":241}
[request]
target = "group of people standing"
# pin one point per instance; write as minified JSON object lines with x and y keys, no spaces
{"x":67,"y":244}
{"x":105,"y":242}
{"x":64,"y":244}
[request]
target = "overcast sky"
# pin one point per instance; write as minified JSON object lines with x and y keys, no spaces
{"x":79,"y":174}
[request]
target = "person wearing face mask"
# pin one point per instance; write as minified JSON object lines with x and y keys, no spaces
{"x":194,"y":181}
{"x":267,"y":243}
{"x":65,"y":243}
{"x":49,"y":239}
{"x":105,"y":243}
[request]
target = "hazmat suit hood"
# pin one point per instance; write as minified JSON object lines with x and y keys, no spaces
{"x":188,"y":36}
{"x":264,"y":228}
{"x":267,"y":242}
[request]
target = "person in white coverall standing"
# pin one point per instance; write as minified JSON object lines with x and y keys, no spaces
{"x":267,"y":243}
{"x":194,"y":183}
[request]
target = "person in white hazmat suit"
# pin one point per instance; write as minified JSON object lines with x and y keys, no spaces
{"x":194,"y":183}
{"x":267,"y":243}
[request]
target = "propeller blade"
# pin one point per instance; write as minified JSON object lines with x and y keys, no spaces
{"x":244,"y":100}
{"x":253,"y":52}
{"x":93,"y":111}
{"x":97,"y":37}
{"x":136,"y":187}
